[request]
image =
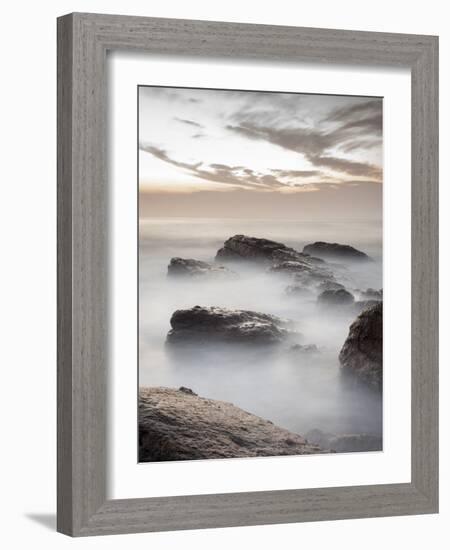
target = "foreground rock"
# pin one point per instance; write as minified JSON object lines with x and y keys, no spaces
{"x":362,"y":352}
{"x":180,"y":425}
{"x":196,"y":269}
{"x":332,"y":298}
{"x":252,"y":249}
{"x":335,"y":251}
{"x":204,"y":325}
{"x":364,"y":304}
{"x":347,"y":443}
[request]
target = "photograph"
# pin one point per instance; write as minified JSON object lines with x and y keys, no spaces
{"x":260,"y":273}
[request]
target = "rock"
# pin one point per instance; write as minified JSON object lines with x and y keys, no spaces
{"x":347,"y":443}
{"x":196,"y":268}
{"x":361,"y":305}
{"x":176,"y":425}
{"x":335,"y":251}
{"x":291,"y":255}
{"x":340,"y":297}
{"x":362,"y":352}
{"x":330,"y":285}
{"x":291,"y":266}
{"x":215,"y":324}
{"x":241,"y":247}
{"x":304,"y":274}
{"x":252,"y":249}
{"x":186,"y":390}
{"x":302,"y":270}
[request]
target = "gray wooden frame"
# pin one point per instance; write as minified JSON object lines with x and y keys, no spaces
{"x":83,"y":40}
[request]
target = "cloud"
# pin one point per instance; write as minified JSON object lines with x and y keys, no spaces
{"x":297,"y":173}
{"x":347,"y":166}
{"x":238,"y":176}
{"x":353,"y":112}
{"x":300,"y":140}
{"x":189,"y":122}
{"x":343,"y":130}
{"x":315,"y":144}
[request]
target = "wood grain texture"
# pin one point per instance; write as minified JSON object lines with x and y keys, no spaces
{"x":83,"y":40}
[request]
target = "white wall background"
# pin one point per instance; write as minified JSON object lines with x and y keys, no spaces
{"x":28,"y":268}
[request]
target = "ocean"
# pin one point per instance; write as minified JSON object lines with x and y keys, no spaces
{"x":295,"y":391}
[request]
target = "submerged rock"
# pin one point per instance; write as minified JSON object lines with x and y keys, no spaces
{"x":339,"y":297}
{"x":346,"y":443}
{"x":213,"y":324}
{"x":179,"y":425}
{"x":330,"y":285}
{"x":305,"y":275}
{"x":372,"y":294}
{"x":197,"y":268}
{"x":307,"y":349}
{"x":303,"y":269}
{"x":335,"y":251}
{"x":362,"y":352}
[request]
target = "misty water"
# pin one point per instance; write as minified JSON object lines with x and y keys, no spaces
{"x":296,"y":391}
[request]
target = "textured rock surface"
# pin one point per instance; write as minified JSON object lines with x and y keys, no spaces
{"x":340,"y":297}
{"x":361,"y":305}
{"x":330,"y":285}
{"x":304,"y":269}
{"x":242,"y":247}
{"x":334,"y":251}
{"x":196,"y":268}
{"x":179,"y":425}
{"x":212,"y":324}
{"x":347,"y":443}
{"x":362,"y":352}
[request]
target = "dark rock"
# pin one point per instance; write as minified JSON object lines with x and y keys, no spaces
{"x":334,"y":251}
{"x":362,"y":352}
{"x":364,"y":304}
{"x":303,"y":271}
{"x":330,"y":285}
{"x":186,"y":390}
{"x":212,"y":324}
{"x":340,"y":297}
{"x":196,"y":268}
{"x":242,"y":247}
{"x":291,"y":266}
{"x":176,"y":425}
{"x":292,"y":255}
{"x":347,"y":443}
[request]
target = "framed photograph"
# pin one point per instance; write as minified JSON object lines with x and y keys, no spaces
{"x":247,"y":274}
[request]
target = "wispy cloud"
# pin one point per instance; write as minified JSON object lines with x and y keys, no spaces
{"x":346,"y":129}
{"x":238,"y":176}
{"x":189,"y":122}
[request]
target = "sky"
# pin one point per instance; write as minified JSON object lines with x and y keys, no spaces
{"x":228,"y":153}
